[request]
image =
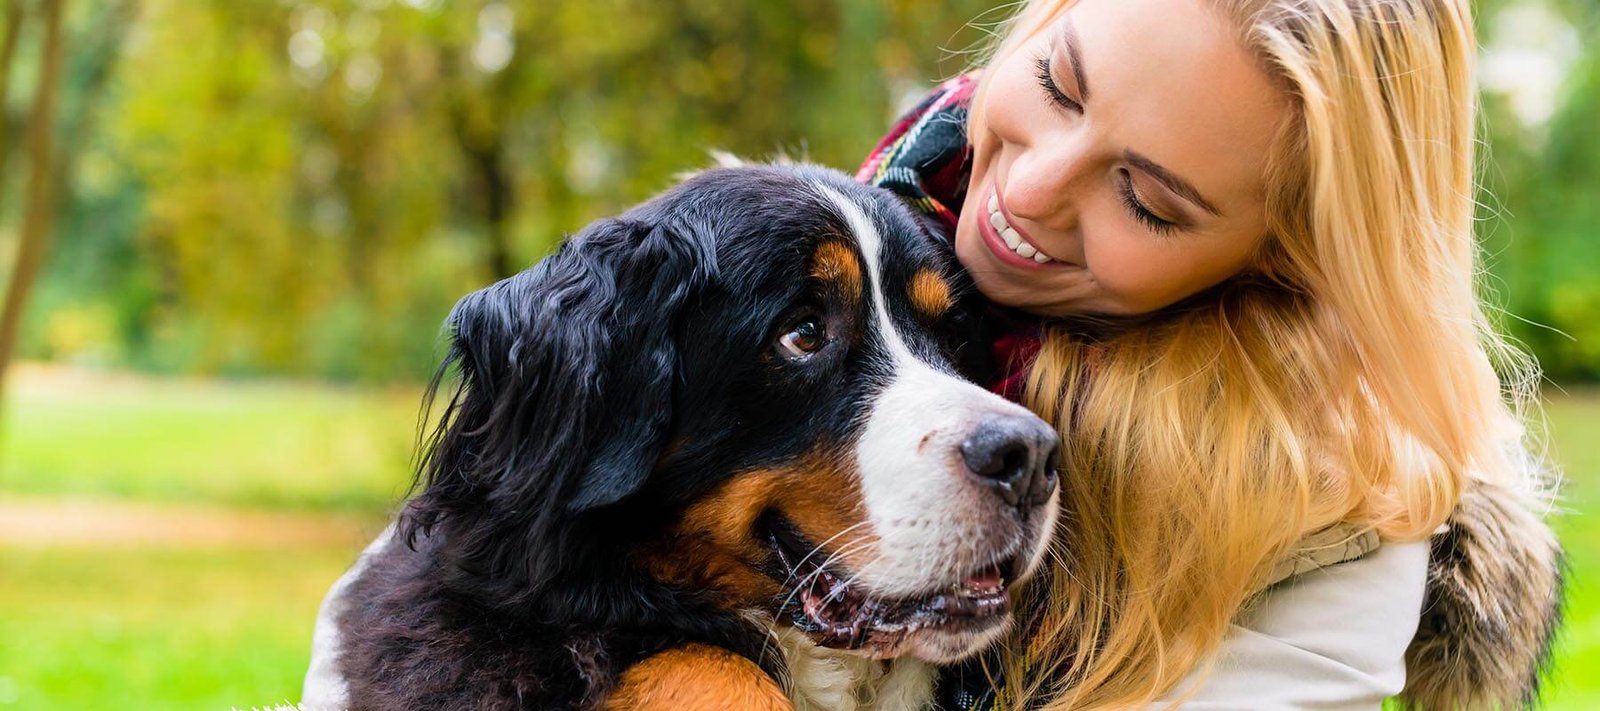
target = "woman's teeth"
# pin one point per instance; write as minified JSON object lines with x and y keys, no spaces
{"x":1009,"y":234}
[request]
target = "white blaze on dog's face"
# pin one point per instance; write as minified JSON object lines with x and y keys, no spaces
{"x":957,"y":485}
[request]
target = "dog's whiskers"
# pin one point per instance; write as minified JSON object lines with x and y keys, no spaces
{"x":818,"y":548}
{"x":803,"y":583}
{"x":811,"y":578}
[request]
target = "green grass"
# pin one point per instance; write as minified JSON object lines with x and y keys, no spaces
{"x":209,"y":628}
{"x":159,"y":629}
{"x":1575,"y":436}
{"x":282,"y":445}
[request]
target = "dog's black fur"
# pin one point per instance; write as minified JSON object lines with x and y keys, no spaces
{"x":600,"y":392}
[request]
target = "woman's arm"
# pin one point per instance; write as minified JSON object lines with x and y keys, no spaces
{"x":1332,"y":638}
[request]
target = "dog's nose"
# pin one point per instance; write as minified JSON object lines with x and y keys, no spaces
{"x":1015,"y":456}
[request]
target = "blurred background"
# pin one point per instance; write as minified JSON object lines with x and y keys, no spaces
{"x":230,"y":230}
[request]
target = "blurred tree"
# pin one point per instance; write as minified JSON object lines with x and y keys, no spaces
{"x":1540,"y":220}
{"x":39,"y":209}
{"x":322,"y":179}
{"x":305,"y":186}
{"x":8,"y":53}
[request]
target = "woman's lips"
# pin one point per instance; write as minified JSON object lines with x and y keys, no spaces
{"x":1008,"y":243}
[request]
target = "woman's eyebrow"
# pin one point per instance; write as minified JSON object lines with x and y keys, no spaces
{"x":1069,"y":39}
{"x":1173,"y":182}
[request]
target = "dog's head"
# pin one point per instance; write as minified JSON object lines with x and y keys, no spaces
{"x":748,"y":393}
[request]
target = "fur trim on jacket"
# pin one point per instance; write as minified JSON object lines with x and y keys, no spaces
{"x":1491,"y":610}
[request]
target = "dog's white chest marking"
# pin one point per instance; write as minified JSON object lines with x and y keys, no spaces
{"x":325,"y":687}
{"x":822,"y":679}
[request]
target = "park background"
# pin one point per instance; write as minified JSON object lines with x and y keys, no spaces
{"x":240,"y":223}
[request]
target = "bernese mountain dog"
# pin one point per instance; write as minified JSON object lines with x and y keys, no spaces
{"x":720,"y":452}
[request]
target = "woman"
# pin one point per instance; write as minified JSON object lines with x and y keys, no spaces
{"x":1239,"y":235}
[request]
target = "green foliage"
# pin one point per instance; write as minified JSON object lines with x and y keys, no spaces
{"x":1553,"y":237}
{"x":306,"y":187}
{"x":1540,"y":226}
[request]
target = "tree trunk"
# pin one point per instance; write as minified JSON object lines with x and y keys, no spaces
{"x":8,"y":51}
{"x":488,"y":162}
{"x":39,"y":211}
{"x":490,"y":185}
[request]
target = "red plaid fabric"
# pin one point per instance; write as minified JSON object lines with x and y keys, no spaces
{"x":925,"y":158}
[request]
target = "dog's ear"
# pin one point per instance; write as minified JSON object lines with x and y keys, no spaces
{"x":566,"y":377}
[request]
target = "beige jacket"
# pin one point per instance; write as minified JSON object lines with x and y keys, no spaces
{"x":1463,"y":621}
{"x":1327,"y":637}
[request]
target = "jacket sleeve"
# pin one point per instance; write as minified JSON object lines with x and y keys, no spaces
{"x":1334,"y":638}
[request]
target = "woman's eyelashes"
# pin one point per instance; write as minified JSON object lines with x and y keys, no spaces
{"x":1052,"y":91}
{"x":1130,"y":200}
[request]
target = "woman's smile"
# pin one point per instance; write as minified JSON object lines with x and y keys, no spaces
{"x":1010,"y":244}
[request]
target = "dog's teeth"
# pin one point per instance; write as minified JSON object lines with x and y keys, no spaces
{"x":997,"y":221}
{"x":994,"y":203}
{"x":1040,"y":258}
{"x":1026,"y":250}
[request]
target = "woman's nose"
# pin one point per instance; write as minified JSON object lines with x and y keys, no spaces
{"x":1044,"y":187}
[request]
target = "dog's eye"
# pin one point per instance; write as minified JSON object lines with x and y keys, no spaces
{"x":803,"y":339}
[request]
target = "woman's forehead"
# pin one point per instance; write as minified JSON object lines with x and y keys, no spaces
{"x":1171,"y":81}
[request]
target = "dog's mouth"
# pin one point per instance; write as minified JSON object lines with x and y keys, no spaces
{"x":826,"y":602}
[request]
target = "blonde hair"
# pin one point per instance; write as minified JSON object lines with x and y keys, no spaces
{"x":1351,"y":376}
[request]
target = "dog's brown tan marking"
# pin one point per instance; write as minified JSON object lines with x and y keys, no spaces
{"x":696,"y":676}
{"x":929,"y":293}
{"x":835,"y":263}
{"x":716,"y":545}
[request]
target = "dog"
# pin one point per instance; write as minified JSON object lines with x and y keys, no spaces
{"x":723,"y":451}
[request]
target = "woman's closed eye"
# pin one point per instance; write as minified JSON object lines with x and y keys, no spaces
{"x":1052,"y":91}
{"x":1137,"y":208}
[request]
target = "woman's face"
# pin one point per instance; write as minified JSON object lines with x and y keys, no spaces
{"x":1126,"y":144}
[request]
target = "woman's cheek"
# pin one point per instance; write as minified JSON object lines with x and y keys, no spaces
{"x":1137,"y":278}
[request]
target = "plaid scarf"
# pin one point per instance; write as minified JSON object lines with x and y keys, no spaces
{"x":925,"y":159}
